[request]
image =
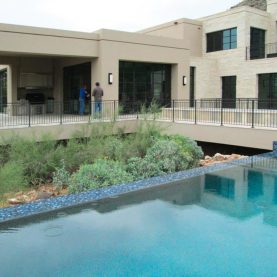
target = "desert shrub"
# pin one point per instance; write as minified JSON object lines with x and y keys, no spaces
{"x":61,"y":176}
{"x":37,"y":159}
{"x":168,"y":157}
{"x":74,"y":154}
{"x":141,"y":168}
{"x":137,"y":144}
{"x":113,"y":148}
{"x":100,"y":174}
{"x":4,"y":154}
{"x":188,"y":148}
{"x":12,"y":178}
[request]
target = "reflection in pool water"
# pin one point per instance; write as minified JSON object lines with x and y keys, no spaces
{"x":221,"y":224}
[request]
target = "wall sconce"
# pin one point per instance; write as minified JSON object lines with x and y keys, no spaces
{"x":184,"y":80}
{"x":110,"y":78}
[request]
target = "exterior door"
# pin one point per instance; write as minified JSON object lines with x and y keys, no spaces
{"x":3,"y":89}
{"x":229,"y":84}
{"x":268,"y":91}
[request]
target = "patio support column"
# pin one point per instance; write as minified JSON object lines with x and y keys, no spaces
{"x":11,"y":83}
{"x":178,"y":90}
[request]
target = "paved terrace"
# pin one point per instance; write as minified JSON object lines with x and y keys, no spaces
{"x":250,"y":127}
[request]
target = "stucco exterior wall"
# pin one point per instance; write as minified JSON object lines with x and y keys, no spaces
{"x":103,"y":49}
{"x":139,"y":48}
{"x":20,"y":40}
{"x":188,"y":30}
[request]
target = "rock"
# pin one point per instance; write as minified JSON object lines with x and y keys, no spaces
{"x":227,"y":157}
{"x":218,"y":157}
{"x":15,"y":201}
{"x":202,"y":162}
{"x":235,"y":157}
{"x":208,"y":158}
{"x":43,"y":195}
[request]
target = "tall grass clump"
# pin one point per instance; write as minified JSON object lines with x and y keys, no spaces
{"x":12,"y":178}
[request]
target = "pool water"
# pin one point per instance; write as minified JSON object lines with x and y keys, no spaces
{"x":220,"y":224}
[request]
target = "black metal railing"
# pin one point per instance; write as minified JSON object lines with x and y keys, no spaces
{"x":246,"y":112}
{"x":261,"y":52}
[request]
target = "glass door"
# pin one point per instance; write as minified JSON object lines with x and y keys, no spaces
{"x":229,"y":91}
{"x":3,"y":89}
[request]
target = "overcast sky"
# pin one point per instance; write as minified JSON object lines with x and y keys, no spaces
{"x":91,"y":15}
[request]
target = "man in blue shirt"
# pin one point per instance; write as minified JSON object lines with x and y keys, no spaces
{"x":82,"y":98}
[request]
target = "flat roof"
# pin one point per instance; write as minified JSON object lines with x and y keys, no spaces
{"x":22,"y":29}
{"x":171,"y":23}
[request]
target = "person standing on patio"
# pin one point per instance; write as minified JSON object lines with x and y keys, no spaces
{"x":97,"y":94}
{"x":82,"y":99}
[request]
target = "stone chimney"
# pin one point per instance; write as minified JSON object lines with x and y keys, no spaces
{"x":272,"y":7}
{"x":258,"y":4}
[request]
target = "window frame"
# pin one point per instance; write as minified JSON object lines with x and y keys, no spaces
{"x":222,"y":40}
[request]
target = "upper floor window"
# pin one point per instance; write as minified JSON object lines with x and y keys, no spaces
{"x":257,"y":43}
{"x":222,"y":40}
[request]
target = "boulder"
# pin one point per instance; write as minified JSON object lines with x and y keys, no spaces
{"x":235,"y":156}
{"x":43,"y":195}
{"x":15,"y":201}
{"x":219,"y":157}
{"x":208,"y":158}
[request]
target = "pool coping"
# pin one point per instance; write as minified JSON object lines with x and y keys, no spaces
{"x":70,"y":200}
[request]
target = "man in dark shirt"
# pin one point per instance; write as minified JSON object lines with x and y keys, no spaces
{"x":97,"y":94}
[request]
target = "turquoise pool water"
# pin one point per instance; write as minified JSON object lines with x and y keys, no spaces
{"x":221,"y":224}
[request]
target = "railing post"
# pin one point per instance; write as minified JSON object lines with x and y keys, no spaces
{"x":253,"y":113}
{"x":221,"y":113}
{"x":114,"y":115}
{"x":29,"y":114}
{"x":61,"y":113}
{"x":195,"y":112}
{"x":173,"y":110}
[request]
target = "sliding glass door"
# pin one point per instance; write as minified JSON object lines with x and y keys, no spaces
{"x":141,"y":83}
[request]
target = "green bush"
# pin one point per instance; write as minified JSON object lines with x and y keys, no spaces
{"x":12,"y":178}
{"x":137,"y":144}
{"x":188,"y":148}
{"x":113,"y":148}
{"x":61,"y":176}
{"x":106,"y":159}
{"x":4,"y":154}
{"x":74,"y":154}
{"x":168,"y":157}
{"x":142,"y":168}
{"x":37,"y":159}
{"x":100,"y":174}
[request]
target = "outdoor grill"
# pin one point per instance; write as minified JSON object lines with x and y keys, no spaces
{"x":35,"y":98}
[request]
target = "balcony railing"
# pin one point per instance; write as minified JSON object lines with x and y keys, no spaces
{"x":267,"y":51}
{"x":244,"y":112}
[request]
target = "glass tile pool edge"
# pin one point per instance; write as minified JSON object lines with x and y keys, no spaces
{"x":51,"y":204}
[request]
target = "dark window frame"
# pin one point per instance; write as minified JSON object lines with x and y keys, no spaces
{"x":192,"y":86}
{"x":229,"y":91}
{"x":267,"y":90}
{"x":222,"y":40}
{"x":141,"y":83}
{"x":257,"y":43}
{"x":3,"y":89}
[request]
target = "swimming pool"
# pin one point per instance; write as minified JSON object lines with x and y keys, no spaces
{"x":223,"y":223}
